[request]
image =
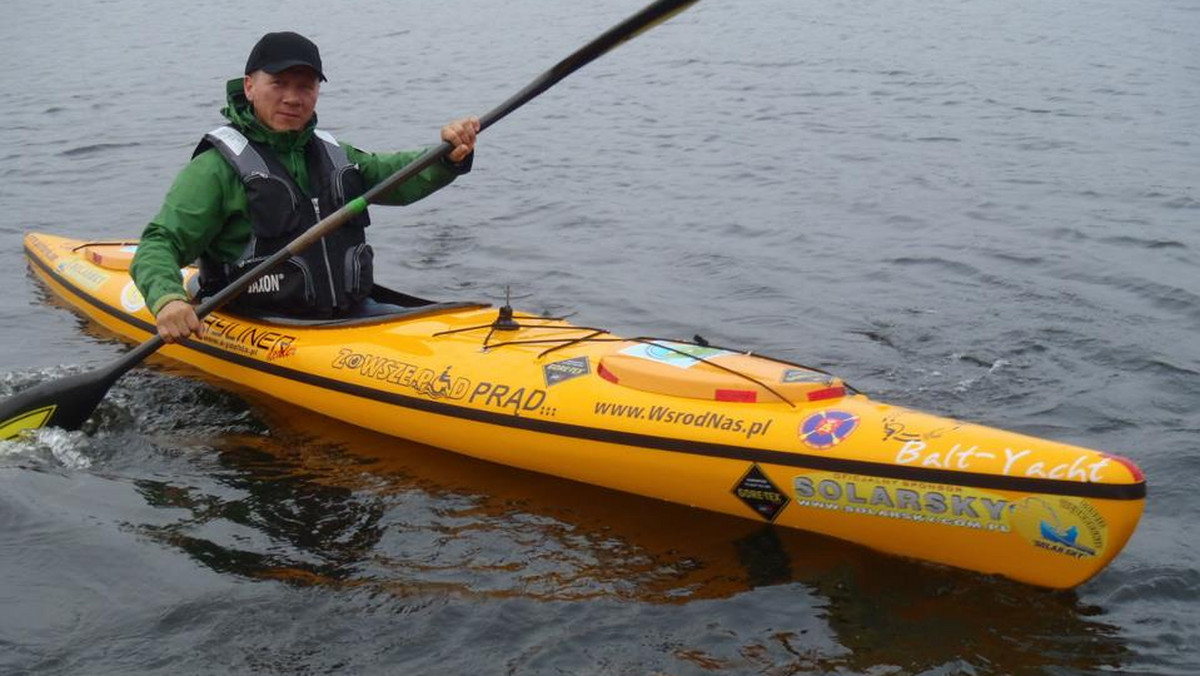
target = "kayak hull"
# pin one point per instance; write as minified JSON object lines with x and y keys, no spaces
{"x":708,"y":427}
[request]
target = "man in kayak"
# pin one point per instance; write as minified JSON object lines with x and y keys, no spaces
{"x":255,"y":184}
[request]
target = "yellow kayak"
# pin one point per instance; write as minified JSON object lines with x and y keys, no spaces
{"x":711,"y":427}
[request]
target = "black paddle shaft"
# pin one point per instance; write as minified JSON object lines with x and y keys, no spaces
{"x":69,"y":402}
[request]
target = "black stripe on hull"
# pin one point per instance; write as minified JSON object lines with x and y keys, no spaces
{"x":1135,"y":491}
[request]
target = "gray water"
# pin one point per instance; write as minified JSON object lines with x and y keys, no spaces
{"x":984,"y":210}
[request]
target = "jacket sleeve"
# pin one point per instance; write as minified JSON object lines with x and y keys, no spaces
{"x":375,"y":167}
{"x":192,"y":214}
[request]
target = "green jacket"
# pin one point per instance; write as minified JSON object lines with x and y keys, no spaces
{"x":205,"y":211}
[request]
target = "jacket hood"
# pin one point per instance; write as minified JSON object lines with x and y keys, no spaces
{"x":240,"y":114}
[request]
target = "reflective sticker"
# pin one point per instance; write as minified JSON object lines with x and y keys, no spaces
{"x":325,"y":136}
{"x":232,"y":138}
{"x":567,"y":369}
{"x":760,"y":494}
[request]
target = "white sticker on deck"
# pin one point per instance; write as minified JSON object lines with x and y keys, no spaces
{"x":680,"y":355}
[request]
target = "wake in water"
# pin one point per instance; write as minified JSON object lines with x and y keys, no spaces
{"x":47,"y":449}
{"x":43,"y":448}
{"x":139,"y":407}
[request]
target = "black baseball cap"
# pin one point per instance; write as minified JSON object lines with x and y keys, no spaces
{"x":277,"y":52}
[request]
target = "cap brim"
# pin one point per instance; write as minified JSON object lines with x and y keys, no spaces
{"x":280,"y":66}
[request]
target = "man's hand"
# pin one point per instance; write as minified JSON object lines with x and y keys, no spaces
{"x":177,"y":320}
{"x":461,"y":135}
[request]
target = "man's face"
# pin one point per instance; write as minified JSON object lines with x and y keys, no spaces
{"x":284,"y":101}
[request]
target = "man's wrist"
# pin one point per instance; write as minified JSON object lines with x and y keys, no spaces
{"x":164,"y":300}
{"x":462,"y":166}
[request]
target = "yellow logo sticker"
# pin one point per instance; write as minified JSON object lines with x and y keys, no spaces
{"x":131,"y":298}
{"x":1066,"y":526}
{"x":86,"y":276}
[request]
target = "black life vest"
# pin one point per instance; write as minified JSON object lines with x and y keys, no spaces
{"x":329,"y":277}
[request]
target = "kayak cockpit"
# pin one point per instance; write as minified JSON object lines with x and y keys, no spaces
{"x":383,"y":305}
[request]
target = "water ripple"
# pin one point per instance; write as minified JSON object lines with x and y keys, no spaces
{"x":95,"y":149}
{"x":982,"y":210}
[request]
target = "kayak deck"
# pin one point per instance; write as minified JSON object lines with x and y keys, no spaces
{"x":691,"y":423}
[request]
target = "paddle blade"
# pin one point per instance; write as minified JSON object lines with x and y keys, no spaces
{"x":66,"y":403}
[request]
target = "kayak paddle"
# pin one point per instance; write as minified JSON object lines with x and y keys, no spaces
{"x":68,"y":402}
